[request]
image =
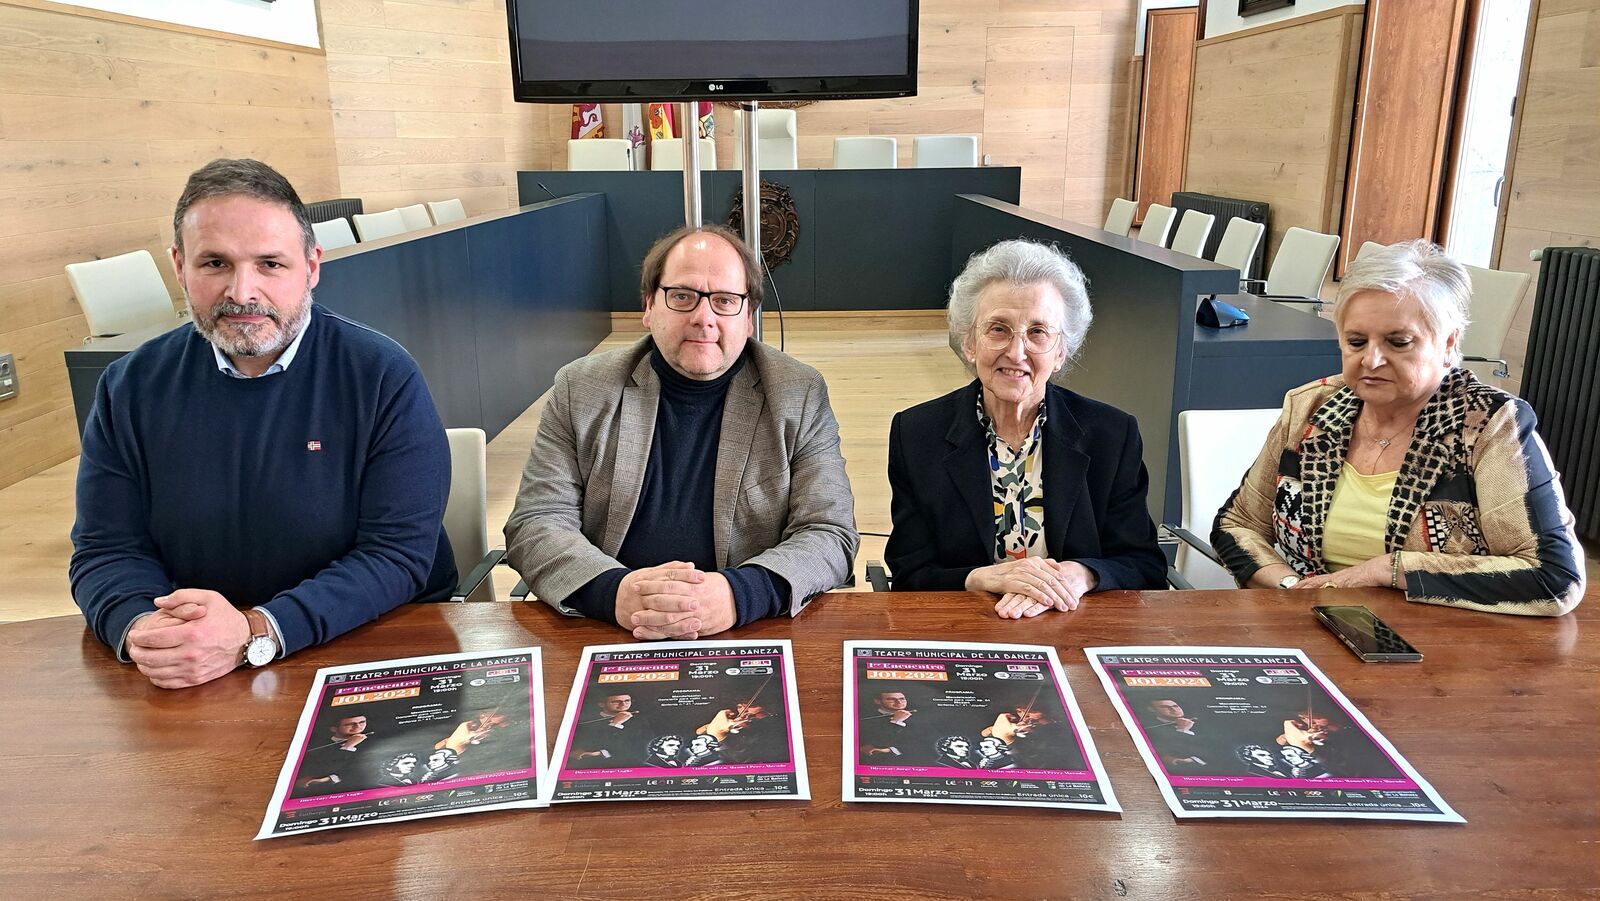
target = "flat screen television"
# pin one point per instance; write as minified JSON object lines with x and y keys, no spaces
{"x":565,"y":51}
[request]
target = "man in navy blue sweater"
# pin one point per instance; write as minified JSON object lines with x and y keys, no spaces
{"x":266,"y":478}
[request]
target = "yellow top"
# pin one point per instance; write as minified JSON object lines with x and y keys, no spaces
{"x":1356,"y":518}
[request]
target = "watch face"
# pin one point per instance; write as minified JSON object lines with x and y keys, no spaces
{"x":1289,"y":582}
{"x":260,"y":651}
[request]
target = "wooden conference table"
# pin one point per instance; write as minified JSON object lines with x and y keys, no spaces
{"x":115,"y":788}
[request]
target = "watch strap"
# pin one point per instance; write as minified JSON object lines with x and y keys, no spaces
{"x":258,"y":624}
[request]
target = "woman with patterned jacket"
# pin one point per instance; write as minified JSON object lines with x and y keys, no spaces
{"x":1406,"y":472}
{"x":1013,"y":485}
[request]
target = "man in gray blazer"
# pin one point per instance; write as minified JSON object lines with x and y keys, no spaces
{"x":691,"y":482}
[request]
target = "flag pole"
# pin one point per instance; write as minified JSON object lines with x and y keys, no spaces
{"x":752,"y":187}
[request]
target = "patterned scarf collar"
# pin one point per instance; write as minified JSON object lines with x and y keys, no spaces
{"x":1444,"y":412}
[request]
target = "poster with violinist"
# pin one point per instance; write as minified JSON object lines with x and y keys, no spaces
{"x":952,"y":723}
{"x":1258,"y":732}
{"x":414,"y":738}
{"x":686,"y":721}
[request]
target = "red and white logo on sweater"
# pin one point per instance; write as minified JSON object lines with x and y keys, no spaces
{"x":313,"y":445}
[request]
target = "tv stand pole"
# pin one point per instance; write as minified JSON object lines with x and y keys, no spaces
{"x":689,"y":125}
{"x":752,"y":186}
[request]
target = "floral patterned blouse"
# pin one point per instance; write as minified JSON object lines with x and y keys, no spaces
{"x":1016,"y":483}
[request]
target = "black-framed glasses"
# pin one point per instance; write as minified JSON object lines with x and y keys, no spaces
{"x":687,"y":300}
{"x":1037,"y":339}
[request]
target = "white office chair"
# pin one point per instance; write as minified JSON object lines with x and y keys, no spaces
{"x":444,"y":211}
{"x":599,"y":155}
{"x":1368,"y":247}
{"x":667,"y":153}
{"x":777,"y":137}
{"x":944,"y":151}
{"x":121,"y":294}
{"x":1119,"y":221}
{"x":416,"y":217}
{"x":372,"y":226}
{"x":1238,"y":245}
{"x":1157,"y":224}
{"x":1193,"y":230}
{"x":1495,"y":294}
{"x":466,"y":513}
{"x":1215,"y":448}
{"x":1300,"y":266}
{"x":865,"y":153}
{"x":334,"y":234}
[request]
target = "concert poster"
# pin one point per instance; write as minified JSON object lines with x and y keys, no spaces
{"x":953,"y":723}
{"x":413,"y":738}
{"x":681,"y":721}
{"x":1258,"y":732}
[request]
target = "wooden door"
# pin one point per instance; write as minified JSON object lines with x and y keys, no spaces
{"x":1410,"y":61}
{"x":1164,"y":106}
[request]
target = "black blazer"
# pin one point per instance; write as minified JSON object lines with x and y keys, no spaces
{"x":1094,"y":488}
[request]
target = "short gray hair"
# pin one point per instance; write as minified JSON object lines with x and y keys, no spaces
{"x":1413,"y":269}
{"x":1021,"y":262}
{"x":252,"y":178}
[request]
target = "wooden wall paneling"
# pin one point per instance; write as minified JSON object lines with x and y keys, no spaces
{"x":1404,"y":96}
{"x":1343,"y":126}
{"x":1027,"y":107}
{"x":422,"y":105}
{"x":1026,"y":101}
{"x":101,"y":120}
{"x":1552,"y":192}
{"x":1164,"y":106}
{"x":1269,"y":117}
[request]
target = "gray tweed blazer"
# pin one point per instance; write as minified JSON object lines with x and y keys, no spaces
{"x":783,"y":500}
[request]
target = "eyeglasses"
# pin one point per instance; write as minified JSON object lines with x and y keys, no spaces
{"x":687,"y":300}
{"x":1037,"y":339}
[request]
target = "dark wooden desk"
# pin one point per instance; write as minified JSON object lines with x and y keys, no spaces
{"x":116,"y":788}
{"x":1251,"y":366}
{"x":864,"y":239}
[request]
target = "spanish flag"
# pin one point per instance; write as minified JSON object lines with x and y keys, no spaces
{"x":661,"y":124}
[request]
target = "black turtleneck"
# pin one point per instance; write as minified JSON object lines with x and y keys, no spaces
{"x":673,"y":518}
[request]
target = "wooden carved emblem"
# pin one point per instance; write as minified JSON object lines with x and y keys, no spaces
{"x":780,"y":222}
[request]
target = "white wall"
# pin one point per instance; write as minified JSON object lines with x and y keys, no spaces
{"x":1222,"y":16}
{"x":285,"y":21}
{"x":1144,"y":7}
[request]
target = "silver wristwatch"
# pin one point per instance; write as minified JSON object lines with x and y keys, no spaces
{"x":1289,"y":581}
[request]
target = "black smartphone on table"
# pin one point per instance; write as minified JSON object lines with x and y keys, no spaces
{"x":1368,"y":637}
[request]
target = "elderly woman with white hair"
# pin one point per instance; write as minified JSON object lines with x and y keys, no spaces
{"x":1013,"y":485}
{"x":1405,"y":471}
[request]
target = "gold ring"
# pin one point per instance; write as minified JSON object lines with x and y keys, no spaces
{"x":1330,"y":584}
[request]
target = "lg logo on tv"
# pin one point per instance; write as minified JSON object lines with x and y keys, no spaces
{"x":713,"y":86}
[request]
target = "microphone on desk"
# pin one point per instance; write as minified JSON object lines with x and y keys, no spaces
{"x":1214,"y":313}
{"x":547,"y":190}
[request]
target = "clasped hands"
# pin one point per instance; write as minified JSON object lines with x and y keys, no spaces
{"x":194,"y":636}
{"x":1031,"y":585}
{"x":675,"y":600}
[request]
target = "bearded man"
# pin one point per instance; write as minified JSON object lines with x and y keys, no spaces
{"x":265,"y":478}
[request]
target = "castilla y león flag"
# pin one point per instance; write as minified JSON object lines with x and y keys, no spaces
{"x":586,"y":122}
